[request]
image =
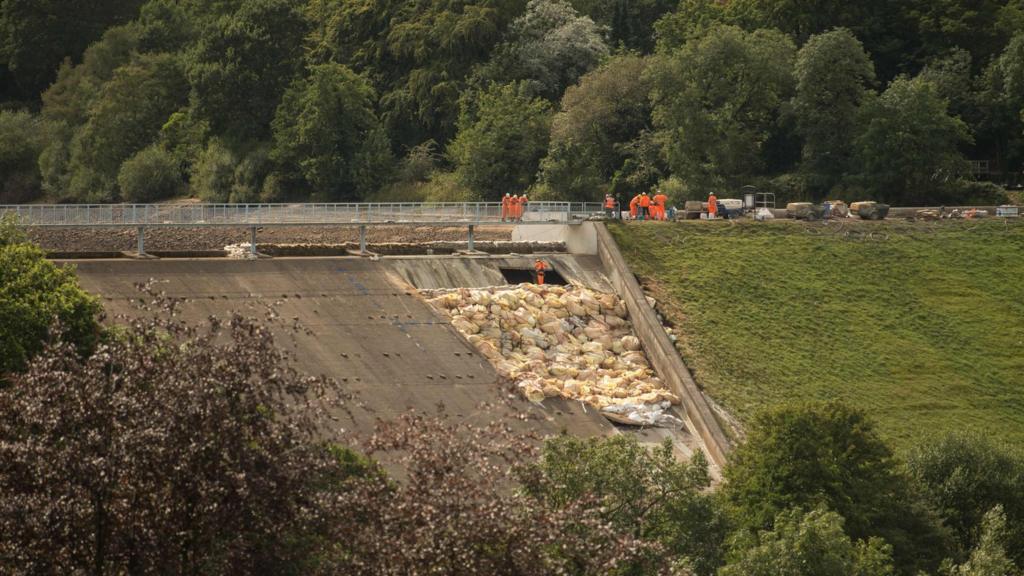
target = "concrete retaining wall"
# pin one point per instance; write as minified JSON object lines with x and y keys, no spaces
{"x":578,"y":238}
{"x":660,"y":350}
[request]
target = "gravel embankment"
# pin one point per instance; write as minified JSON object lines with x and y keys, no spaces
{"x":70,"y":240}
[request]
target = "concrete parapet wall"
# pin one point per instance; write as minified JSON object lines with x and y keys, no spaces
{"x":660,"y":351}
{"x":578,"y":238}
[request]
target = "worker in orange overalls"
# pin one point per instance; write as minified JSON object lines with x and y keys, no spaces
{"x":539,"y":266}
{"x":645,"y":206}
{"x":609,"y":206}
{"x":513,"y":208}
{"x":634,"y":206}
{"x":712,"y":206}
{"x":506,"y":207}
{"x":522,"y":206}
{"x":660,"y":201}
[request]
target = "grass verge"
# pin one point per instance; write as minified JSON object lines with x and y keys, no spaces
{"x":920,"y":324}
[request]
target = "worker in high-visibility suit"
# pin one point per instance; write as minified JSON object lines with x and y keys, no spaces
{"x":712,"y":206}
{"x":660,"y":202}
{"x":634,"y":206}
{"x":609,"y":206}
{"x":523,"y":200}
{"x":513,"y":208}
{"x":645,"y":206}
{"x":506,"y":207}
{"x":539,"y":267}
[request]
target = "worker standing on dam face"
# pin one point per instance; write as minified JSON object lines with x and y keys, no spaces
{"x":506,"y":207}
{"x":712,"y":206}
{"x":645,"y":206}
{"x":539,"y":267}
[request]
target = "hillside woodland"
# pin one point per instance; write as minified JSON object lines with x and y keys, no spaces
{"x":343,"y":100}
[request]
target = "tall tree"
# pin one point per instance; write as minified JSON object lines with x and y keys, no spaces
{"x":37,"y":35}
{"x":590,"y":135}
{"x":830,"y":455}
{"x":833,"y":76}
{"x":503,"y":134}
{"x":908,"y":145}
{"x":886,"y":28}
{"x":550,"y":47}
{"x":636,"y":490}
{"x":417,"y":54}
{"x":716,"y":100}
{"x":630,"y":22}
{"x":173,"y":448}
{"x":33,"y":293}
{"x":326,"y":133}
{"x":242,"y":64}
{"x":809,"y":544}
{"x":125,"y":117}
{"x":965,"y":476}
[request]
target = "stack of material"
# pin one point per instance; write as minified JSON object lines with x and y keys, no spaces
{"x":240,"y":251}
{"x":556,"y":341}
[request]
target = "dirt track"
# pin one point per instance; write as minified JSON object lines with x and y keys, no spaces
{"x":215,"y":238}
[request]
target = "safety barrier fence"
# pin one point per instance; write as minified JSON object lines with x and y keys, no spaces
{"x":69,"y":215}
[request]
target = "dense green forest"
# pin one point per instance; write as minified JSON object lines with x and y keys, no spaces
{"x":270,"y":100}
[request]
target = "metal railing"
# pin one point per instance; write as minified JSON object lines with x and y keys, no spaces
{"x":147,"y":215}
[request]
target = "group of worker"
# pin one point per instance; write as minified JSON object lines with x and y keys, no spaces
{"x":512,"y":207}
{"x":645,"y":207}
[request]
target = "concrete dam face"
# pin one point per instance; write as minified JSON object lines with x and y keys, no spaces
{"x":364,"y":322}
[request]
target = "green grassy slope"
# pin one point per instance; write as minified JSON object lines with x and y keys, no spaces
{"x":922,"y":325}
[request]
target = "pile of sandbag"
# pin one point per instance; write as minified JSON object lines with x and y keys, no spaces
{"x":240,"y":251}
{"x":557,"y":341}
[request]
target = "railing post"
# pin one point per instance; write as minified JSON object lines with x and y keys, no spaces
{"x":471,"y":244}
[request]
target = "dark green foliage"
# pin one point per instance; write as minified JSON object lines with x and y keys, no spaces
{"x":830,"y":455}
{"x":591,"y":135}
{"x":965,"y":476}
{"x":549,"y":48}
{"x":150,"y":175}
{"x":22,"y":139}
{"x":717,"y":100}
{"x":326,"y":132}
{"x":37,"y":35}
{"x":808,"y":544}
{"x":125,"y":117}
{"x":645,"y":492}
{"x":503,"y":134}
{"x":908,"y":146}
{"x":833,"y":76}
{"x":418,"y":54}
{"x":629,"y":21}
{"x":241,"y":65}
{"x":33,"y":294}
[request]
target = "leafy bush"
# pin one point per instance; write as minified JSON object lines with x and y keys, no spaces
{"x":214,"y":173}
{"x":830,"y":455}
{"x":33,"y":293}
{"x":809,"y":544}
{"x":964,"y":477}
{"x":151,"y":174}
{"x":173,"y":448}
{"x":646,"y":492}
